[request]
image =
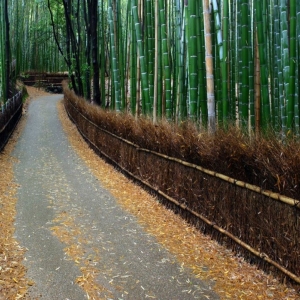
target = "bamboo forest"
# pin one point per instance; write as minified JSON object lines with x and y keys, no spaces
{"x":214,"y":62}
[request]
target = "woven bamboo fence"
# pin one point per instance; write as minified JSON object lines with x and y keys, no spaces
{"x":261,"y":225}
{"x":10,"y":113}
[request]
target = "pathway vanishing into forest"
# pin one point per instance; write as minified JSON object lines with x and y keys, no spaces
{"x":60,"y":197}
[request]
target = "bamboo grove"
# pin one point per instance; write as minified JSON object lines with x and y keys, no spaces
{"x":218,"y":63}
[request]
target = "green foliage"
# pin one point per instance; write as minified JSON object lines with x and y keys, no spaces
{"x":54,"y":35}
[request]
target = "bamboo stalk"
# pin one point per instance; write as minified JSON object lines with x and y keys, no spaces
{"x":219,"y":59}
{"x":209,"y":68}
{"x":244,"y":66}
{"x":224,"y":66}
{"x":276,"y":65}
{"x":166,"y":60}
{"x":265,"y":103}
{"x":285,"y":68}
{"x":143,"y":65}
{"x":133,"y":65}
{"x":192,"y":59}
{"x":251,"y":37}
{"x":155,"y":62}
{"x":114,"y":58}
{"x":257,"y":87}
{"x":292,"y":67}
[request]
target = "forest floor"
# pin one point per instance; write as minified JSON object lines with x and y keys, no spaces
{"x":70,"y":220}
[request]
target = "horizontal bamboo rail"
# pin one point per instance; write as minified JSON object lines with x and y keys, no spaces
{"x":275,"y":196}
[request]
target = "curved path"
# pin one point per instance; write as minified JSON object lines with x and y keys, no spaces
{"x":56,"y":188}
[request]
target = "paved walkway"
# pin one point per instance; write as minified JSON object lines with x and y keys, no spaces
{"x":127,"y":262}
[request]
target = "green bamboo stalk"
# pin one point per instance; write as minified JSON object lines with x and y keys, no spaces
{"x":150,"y":48}
{"x":174,"y":20}
{"x":160,"y":95}
{"x":266,"y":117}
{"x":233,"y":60}
{"x":219,"y":59}
{"x":245,"y":64}
{"x":121,"y":55}
{"x":156,"y":25}
{"x":271,"y":49}
{"x":292,"y":68}
{"x":202,"y":99}
{"x":6,"y":62}
{"x":166,"y":60}
{"x":297,"y":106}
{"x":176,"y":54}
{"x":102,"y":55}
{"x":192,"y":58}
{"x":224,"y":65}
{"x":239,"y":60}
{"x":133,"y":66}
{"x":251,"y":68}
{"x":181,"y":38}
{"x":276,"y":64}
{"x":216,"y":68}
{"x":257,"y":85}
{"x":146,"y":106}
{"x":284,"y":64}
{"x":114,"y":60}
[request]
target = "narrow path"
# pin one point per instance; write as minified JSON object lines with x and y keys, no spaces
{"x":104,"y":249}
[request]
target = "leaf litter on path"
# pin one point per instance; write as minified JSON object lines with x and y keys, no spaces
{"x":13,"y":281}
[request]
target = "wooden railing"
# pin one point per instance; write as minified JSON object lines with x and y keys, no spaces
{"x":10,"y":113}
{"x":51,"y":82}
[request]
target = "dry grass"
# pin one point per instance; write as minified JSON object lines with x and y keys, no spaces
{"x":265,"y":162}
{"x":235,"y":279}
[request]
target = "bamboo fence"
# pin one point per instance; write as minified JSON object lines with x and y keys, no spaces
{"x":10,"y":114}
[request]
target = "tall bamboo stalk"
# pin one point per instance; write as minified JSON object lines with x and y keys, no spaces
{"x":133,"y":65}
{"x":266,"y":114}
{"x":166,"y":60}
{"x":102,"y":56}
{"x":155,"y":94}
{"x":114,"y":59}
{"x":225,"y":62}
{"x":245,"y":65}
{"x":7,"y":53}
{"x":218,"y":55}
{"x":284,"y":64}
{"x":292,"y":66}
{"x":144,"y":71}
{"x":192,"y":59}
{"x":202,"y":101}
{"x":209,"y":68}
{"x":150,"y":48}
